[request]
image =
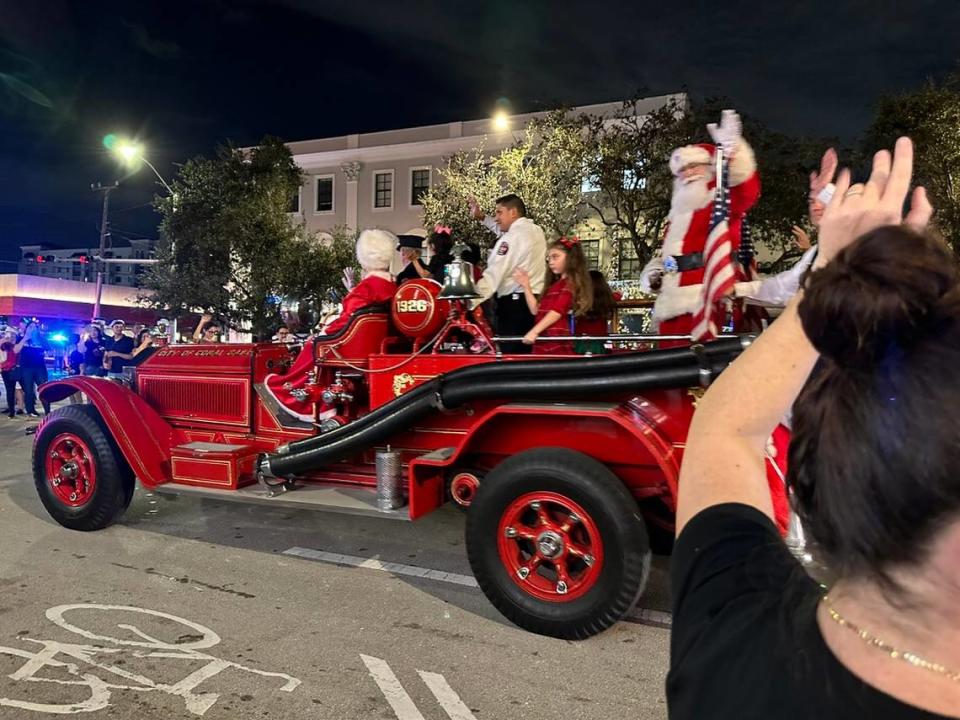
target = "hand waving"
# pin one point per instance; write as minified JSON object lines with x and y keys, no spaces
{"x":860,"y":208}
{"x":728,"y":133}
{"x":800,"y":238}
{"x":828,"y":168}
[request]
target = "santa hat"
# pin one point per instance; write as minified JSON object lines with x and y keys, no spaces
{"x":375,"y":249}
{"x":690,"y":154}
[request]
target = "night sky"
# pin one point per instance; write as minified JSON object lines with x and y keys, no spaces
{"x":186,"y":76}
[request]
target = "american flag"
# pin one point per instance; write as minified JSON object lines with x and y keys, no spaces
{"x":720,"y":273}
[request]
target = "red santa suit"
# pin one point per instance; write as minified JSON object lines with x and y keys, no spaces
{"x":296,"y":392}
{"x":680,"y":263}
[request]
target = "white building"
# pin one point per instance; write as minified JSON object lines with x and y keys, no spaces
{"x":78,"y":264}
{"x":376,"y":179}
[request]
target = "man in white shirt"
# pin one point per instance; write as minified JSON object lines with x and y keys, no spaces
{"x":521,"y":244}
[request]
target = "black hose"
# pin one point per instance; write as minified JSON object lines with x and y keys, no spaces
{"x":516,"y":380}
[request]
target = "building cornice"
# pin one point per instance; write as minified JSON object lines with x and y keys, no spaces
{"x":402,"y":151}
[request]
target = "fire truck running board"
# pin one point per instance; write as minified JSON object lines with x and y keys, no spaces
{"x":331,"y":498}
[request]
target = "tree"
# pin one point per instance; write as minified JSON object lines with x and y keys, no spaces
{"x":310,"y":268}
{"x":627,"y":172}
{"x":931,"y":117}
{"x":222,"y":232}
{"x":544,"y":167}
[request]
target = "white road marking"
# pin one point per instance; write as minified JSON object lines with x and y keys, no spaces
{"x":449,"y":700}
{"x":391,"y":688}
{"x":654,"y":618}
{"x":374,"y":564}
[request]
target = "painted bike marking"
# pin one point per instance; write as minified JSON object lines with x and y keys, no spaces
{"x":187,"y":647}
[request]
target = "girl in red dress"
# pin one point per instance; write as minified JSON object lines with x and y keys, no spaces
{"x":570,"y":296}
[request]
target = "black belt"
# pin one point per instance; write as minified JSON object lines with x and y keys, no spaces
{"x":685,"y":263}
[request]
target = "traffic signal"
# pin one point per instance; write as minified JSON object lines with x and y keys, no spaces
{"x":41,"y":258}
{"x":83,"y":259}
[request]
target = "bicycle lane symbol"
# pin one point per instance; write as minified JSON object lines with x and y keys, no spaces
{"x":88,"y":663}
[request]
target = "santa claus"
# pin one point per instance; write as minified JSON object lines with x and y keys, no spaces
{"x":676,"y":274}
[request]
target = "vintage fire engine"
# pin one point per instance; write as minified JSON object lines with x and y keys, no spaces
{"x":564,"y":464}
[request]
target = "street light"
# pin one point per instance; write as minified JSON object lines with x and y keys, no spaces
{"x":501,"y":121}
{"x":130,"y":153}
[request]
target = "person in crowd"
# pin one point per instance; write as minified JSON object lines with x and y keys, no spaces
{"x":93,"y":352}
{"x":872,"y":340}
{"x":569,"y":297}
{"x":74,"y":360}
{"x":520,"y":244}
{"x":143,"y":348}
{"x":777,"y":289}
{"x":208,"y":330}
{"x":9,"y":368}
{"x":33,"y":365}
{"x":117,"y":350}
{"x":597,"y":320}
{"x":411,"y":248}
{"x":74,"y":363}
{"x":375,"y":250}
{"x":441,"y":245}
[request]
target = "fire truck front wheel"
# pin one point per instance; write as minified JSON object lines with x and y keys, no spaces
{"x":557,"y":543}
{"x":82,"y":479}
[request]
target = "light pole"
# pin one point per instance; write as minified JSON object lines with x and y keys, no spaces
{"x":104,"y":234}
{"x":129,"y":153}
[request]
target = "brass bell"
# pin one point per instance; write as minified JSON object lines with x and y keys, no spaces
{"x":458,"y":281}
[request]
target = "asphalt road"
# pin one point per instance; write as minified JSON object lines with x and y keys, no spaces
{"x":191,"y":608}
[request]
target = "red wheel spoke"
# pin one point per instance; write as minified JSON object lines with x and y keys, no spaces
{"x":544,"y":517}
{"x":560,"y":565}
{"x":577,"y":550}
{"x":526,"y":533}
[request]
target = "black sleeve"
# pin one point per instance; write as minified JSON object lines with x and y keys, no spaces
{"x":727,"y":554}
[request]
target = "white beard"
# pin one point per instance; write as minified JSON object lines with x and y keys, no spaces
{"x":690,"y":196}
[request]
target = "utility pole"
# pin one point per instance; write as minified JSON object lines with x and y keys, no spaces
{"x":104,"y":234}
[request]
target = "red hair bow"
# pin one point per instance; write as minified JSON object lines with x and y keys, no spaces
{"x":438,"y":228}
{"x":569,"y":242}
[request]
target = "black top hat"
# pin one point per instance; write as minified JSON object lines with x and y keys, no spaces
{"x":410,"y":241}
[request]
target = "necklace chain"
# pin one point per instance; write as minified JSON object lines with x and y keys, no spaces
{"x":896,"y":654}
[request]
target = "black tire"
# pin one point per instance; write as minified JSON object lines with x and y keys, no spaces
{"x":114,"y":481}
{"x":614,"y":515}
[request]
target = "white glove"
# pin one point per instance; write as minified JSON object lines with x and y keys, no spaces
{"x":728,"y":134}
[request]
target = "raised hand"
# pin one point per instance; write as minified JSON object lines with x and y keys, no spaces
{"x":475,"y":212}
{"x":859,"y":208}
{"x":800,"y":238}
{"x":728,"y":133}
{"x":828,"y":168}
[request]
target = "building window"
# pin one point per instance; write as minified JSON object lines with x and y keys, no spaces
{"x":591,"y":251}
{"x":383,"y":189}
{"x":419,"y":184}
{"x":295,"y":201}
{"x":629,"y":262}
{"x":324,"y":194}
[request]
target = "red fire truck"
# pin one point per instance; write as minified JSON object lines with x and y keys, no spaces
{"x":564,"y":464}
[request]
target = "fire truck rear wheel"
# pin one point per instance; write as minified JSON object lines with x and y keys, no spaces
{"x":82,"y":479}
{"x":557,"y":543}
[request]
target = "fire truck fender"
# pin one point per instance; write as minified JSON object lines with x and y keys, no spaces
{"x":619,"y":435}
{"x":142,"y":436}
